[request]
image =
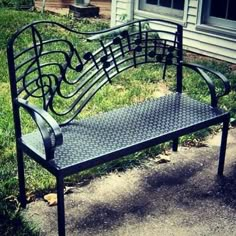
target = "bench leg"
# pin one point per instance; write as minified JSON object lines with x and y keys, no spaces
{"x":60,"y":206}
{"x":175,"y":144}
{"x":21,"y":177}
{"x":223,"y":147}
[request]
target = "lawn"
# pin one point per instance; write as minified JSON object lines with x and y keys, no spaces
{"x":127,"y":88}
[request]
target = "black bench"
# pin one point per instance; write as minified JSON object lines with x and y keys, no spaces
{"x":49,"y":74}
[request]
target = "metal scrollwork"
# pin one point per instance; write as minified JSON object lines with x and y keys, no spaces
{"x":54,"y":68}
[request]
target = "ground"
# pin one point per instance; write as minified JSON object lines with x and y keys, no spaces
{"x":178,"y":194}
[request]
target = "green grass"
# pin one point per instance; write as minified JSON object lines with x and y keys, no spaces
{"x":133,"y":86}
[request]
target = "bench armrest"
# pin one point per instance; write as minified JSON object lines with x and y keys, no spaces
{"x":48,"y":127}
{"x":203,"y":71}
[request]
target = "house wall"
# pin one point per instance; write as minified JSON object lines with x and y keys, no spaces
{"x":121,"y":10}
{"x":213,"y":42}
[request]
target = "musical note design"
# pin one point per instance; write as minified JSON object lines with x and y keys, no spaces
{"x":169,"y":58}
{"x":146,"y":46}
{"x":128,"y":46}
{"x":80,"y":65}
{"x":89,"y":56}
{"x":103,"y":47}
{"x":138,"y":48}
{"x":160,"y":56}
{"x":113,"y":59}
{"x":153,"y":53}
{"x":117,"y":41}
{"x":125,"y":34}
{"x":106,"y":65}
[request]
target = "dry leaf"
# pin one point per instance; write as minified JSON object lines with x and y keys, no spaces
{"x":163,"y":159}
{"x":11,"y":198}
{"x":30,"y":197}
{"x":51,"y":198}
{"x":14,"y":199}
{"x":167,"y":152}
{"x":68,"y":190}
{"x":120,"y":87}
{"x":195,"y":143}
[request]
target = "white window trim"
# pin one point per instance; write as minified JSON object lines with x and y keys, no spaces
{"x":161,"y":10}
{"x":176,"y":17}
{"x":218,"y":22}
{"x":214,"y":25}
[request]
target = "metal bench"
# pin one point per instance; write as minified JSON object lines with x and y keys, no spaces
{"x":51,"y":71}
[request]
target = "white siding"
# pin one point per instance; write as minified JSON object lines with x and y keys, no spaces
{"x":120,"y":9}
{"x":193,"y":3}
{"x":197,"y":40}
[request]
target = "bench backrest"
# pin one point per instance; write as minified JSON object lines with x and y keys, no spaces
{"x":51,"y":70}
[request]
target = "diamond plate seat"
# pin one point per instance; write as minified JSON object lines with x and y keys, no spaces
{"x":49,"y":71}
{"x":98,"y":139}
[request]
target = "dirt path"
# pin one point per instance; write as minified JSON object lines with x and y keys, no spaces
{"x":182,"y":197}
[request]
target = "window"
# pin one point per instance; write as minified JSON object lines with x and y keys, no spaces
{"x":219,"y":13}
{"x":172,"y":8}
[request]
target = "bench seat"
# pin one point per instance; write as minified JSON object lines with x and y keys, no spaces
{"x":116,"y":133}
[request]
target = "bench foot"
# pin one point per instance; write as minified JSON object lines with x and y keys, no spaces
{"x":223,"y":147}
{"x":21,"y":177}
{"x":60,"y":206}
{"x":175,"y":144}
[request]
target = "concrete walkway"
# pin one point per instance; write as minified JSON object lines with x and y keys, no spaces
{"x":180,"y":197}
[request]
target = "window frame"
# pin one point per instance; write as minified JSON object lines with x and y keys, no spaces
{"x":213,"y":21}
{"x":161,"y":9}
{"x":146,"y":10}
{"x":212,"y":24}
